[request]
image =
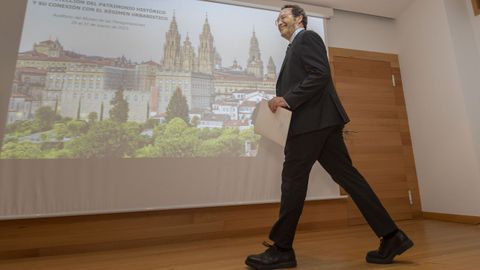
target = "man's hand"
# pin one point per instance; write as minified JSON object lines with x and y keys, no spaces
{"x":276,"y":102}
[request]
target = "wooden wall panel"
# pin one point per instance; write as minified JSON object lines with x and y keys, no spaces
{"x":410,"y":169}
{"x":63,"y":235}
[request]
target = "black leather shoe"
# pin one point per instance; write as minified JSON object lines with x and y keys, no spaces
{"x":272,"y":258}
{"x":389,"y":248}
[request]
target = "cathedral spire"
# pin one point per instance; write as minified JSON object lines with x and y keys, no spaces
{"x":206,"y":25}
{"x":188,"y":56}
{"x":206,"y":50}
{"x":271,"y":69}
{"x":254,"y":62}
{"x":171,"y":50}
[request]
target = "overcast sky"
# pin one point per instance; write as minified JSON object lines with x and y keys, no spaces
{"x":231,"y":26}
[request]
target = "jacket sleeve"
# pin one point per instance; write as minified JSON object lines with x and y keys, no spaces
{"x":313,"y":57}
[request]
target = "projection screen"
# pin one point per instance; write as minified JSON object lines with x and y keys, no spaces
{"x":127,"y":105}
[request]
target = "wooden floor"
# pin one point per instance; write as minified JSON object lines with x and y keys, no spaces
{"x":438,"y":245}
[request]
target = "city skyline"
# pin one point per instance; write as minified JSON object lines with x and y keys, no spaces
{"x":141,"y":44}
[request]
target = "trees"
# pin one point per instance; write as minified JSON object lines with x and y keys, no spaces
{"x":104,"y":139}
{"x":45,"y":117}
{"x":92,"y":117}
{"x":107,"y":139}
{"x":70,"y":129}
{"x":227,"y":144}
{"x":76,"y":128}
{"x":178,"y":106}
{"x":119,"y":110}
{"x":22,"y":150}
{"x":134,"y":139}
{"x":176,"y":140}
{"x":101,"y":112}
{"x":148,"y":111}
{"x":44,"y":120}
{"x":79,"y":108}
{"x":60,"y":131}
{"x":195,"y":121}
{"x":23,"y":128}
{"x":150,"y":124}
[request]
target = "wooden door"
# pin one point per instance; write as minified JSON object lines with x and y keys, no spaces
{"x":377,"y":136}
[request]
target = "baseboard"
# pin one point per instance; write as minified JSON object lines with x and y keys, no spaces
{"x":452,"y":218}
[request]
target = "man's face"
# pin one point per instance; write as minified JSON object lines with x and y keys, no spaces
{"x":287,"y":24}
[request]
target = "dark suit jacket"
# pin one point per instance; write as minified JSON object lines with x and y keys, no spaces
{"x":305,"y":82}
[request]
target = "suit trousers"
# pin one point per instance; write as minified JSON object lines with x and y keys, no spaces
{"x":326,"y":146}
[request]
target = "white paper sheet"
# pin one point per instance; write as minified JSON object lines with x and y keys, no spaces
{"x":273,"y":126}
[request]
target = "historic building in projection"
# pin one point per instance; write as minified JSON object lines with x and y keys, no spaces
{"x":27,"y":91}
{"x":50,"y":48}
{"x":76,"y":85}
{"x":235,"y":77}
{"x":182,"y":68}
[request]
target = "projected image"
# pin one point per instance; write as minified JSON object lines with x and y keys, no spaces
{"x":143,"y":78}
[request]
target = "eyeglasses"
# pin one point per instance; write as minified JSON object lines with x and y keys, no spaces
{"x":281,"y":18}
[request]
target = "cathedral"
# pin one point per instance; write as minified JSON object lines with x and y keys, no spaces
{"x":200,"y":73}
{"x":178,"y":57}
{"x":182,"y":58}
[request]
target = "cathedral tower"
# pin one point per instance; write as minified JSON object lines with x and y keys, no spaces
{"x":206,"y":51}
{"x":254,"y":63}
{"x":271,"y":69}
{"x":171,"y":50}
{"x":188,"y":56}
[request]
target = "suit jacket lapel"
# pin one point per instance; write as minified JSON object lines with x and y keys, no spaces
{"x":279,"y":78}
{"x":284,"y":61}
{"x":287,"y":56}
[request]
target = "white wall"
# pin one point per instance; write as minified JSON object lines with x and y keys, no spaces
{"x":468,"y":61}
{"x":440,"y":64}
{"x":361,"y":32}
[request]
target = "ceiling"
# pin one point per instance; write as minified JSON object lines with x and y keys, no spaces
{"x":383,"y":8}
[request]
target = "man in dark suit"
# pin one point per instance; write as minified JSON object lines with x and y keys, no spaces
{"x":305,"y":87}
